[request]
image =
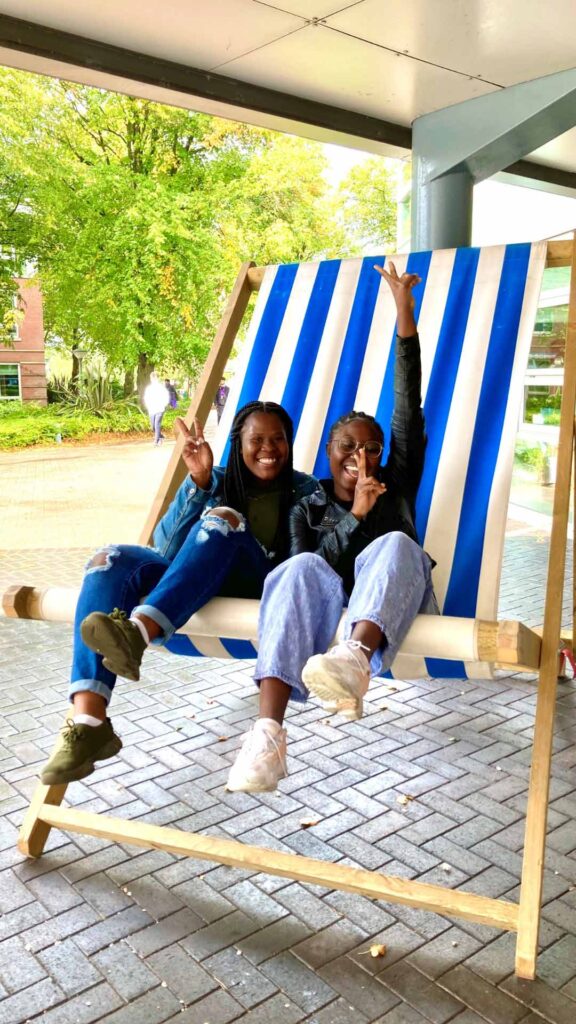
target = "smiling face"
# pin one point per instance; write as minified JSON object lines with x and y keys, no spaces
{"x":265,"y":448}
{"x":343,"y":465}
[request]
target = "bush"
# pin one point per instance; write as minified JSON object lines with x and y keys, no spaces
{"x":25,"y":424}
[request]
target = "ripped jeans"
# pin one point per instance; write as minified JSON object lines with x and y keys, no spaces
{"x":215,"y":558}
{"x":304,"y":598}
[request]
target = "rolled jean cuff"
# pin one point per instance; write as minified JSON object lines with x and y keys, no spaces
{"x":90,"y":686}
{"x":159,"y":618}
{"x":299,"y":691}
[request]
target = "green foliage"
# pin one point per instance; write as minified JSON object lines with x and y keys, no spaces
{"x":368,"y":197}
{"x":139,"y":215}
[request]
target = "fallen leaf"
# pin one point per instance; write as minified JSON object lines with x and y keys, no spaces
{"x":377,"y":950}
{"x":383,"y":707}
{"x":221,"y":739}
{"x":404,"y":799}
{"x":308,"y":822}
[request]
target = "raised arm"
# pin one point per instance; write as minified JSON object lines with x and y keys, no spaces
{"x":408,"y":440}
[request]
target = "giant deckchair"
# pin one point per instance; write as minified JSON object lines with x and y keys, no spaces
{"x":321,"y":341}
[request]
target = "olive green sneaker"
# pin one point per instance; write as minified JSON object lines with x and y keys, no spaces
{"x":80,"y":747}
{"x":119,"y":641}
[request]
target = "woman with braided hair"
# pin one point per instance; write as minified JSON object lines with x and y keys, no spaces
{"x":353,"y":546}
{"x":225,"y":530}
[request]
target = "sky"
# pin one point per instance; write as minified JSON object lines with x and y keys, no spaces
{"x":502,"y":213}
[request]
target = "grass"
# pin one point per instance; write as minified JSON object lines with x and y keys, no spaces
{"x":23,"y":425}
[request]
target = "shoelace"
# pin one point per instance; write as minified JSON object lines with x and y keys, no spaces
{"x":70,"y":732}
{"x":353,"y":645}
{"x":258,"y":742}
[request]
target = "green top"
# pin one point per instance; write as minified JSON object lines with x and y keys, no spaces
{"x":263,"y":515}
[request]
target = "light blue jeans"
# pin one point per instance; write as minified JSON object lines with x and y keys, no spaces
{"x":303,"y":600}
{"x":215,"y":558}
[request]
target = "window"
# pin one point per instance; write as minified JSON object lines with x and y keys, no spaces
{"x":15,"y":329}
{"x":9,"y":380}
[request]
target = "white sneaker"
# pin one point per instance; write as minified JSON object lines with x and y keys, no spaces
{"x":340,"y":678}
{"x":261,"y":760}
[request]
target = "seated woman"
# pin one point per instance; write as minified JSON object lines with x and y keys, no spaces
{"x":353,"y":543}
{"x":225,"y":530}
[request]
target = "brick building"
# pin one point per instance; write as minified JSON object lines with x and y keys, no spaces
{"x":23,"y":368}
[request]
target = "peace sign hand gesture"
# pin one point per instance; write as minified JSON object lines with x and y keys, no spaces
{"x":401,"y":288}
{"x":368,"y":488}
{"x":196,"y":452}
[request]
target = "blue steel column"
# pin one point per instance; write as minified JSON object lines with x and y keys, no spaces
{"x":456,"y":147}
{"x":441,"y":209}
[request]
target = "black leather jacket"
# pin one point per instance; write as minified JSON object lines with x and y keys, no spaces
{"x":318,"y":523}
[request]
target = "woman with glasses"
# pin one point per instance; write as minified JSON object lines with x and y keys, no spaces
{"x":354,"y":545}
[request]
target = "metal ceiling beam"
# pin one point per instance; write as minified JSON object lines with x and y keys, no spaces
{"x":49,"y":44}
{"x":459,"y":146}
{"x":53,"y":45}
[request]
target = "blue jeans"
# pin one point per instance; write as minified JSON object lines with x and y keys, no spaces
{"x":215,"y":558}
{"x":156,"y":424}
{"x":303,"y":600}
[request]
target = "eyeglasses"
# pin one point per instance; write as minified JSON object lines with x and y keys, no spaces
{"x":372,"y":448}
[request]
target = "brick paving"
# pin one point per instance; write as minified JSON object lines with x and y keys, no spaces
{"x":99,"y":932}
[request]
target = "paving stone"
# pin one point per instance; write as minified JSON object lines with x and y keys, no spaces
{"x":60,"y":927}
{"x":363,"y":991}
{"x":329,"y":944}
{"x":303,"y":904}
{"x":185,"y":978}
{"x":536,"y":995}
{"x":338,"y":1012}
{"x":163,"y":933}
{"x":85,"y":1008}
{"x":31,"y":1001}
{"x":302,"y":985}
{"x":18,"y":968}
{"x":113,"y":928}
{"x":278,"y":1009}
{"x":152,"y":1008}
{"x":245,"y":982}
{"x":478,"y":995}
{"x":124,"y":970}
{"x":69,"y":967}
{"x":266,"y":942}
{"x":227,"y":931}
{"x":215,"y":1008}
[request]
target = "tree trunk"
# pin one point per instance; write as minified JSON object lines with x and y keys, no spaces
{"x":143,"y":372}
{"x":75,"y":376}
{"x":129,"y":383}
{"x":76,"y":363}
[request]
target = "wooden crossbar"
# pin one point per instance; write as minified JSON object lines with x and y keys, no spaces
{"x":45,"y":811}
{"x":438,"y":898}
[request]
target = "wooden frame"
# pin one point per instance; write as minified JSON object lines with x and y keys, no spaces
{"x":45,"y":811}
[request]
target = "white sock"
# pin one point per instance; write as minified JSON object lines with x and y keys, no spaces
{"x":267,"y":724}
{"x":138,"y":622}
{"x":87,"y":720}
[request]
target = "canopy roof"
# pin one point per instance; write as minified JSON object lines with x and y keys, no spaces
{"x":356,"y":72}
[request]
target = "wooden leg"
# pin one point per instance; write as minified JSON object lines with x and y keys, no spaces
{"x":537,"y":810}
{"x":34,"y":831}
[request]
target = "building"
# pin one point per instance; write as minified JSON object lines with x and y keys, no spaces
{"x":23,"y":367}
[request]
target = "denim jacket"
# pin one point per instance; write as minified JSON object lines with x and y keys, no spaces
{"x":318,"y":523}
{"x":190,"y":502}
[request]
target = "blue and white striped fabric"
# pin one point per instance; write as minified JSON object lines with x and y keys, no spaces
{"x":321,"y":342}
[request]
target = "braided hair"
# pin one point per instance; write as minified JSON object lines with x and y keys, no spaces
{"x":237,"y":478}
{"x":349,"y":417}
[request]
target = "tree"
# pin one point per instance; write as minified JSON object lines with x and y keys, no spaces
{"x":140,"y":214}
{"x":369,"y":204}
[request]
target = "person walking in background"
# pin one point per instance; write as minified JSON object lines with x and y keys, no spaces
{"x":156,"y":398}
{"x":173,"y":395}
{"x":221,"y":397}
